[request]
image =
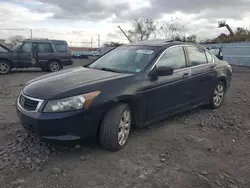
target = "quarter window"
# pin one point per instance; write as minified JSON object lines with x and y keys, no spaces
{"x":27,"y":48}
{"x":60,"y":48}
{"x":196,"y":56}
{"x":44,"y":48}
{"x":174,"y":57}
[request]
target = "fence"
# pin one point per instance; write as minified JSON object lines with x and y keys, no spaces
{"x":235,"y":53}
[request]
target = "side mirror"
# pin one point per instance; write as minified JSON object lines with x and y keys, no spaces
{"x":164,"y":71}
{"x":161,"y":71}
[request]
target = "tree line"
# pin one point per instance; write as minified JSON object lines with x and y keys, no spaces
{"x":144,"y":29}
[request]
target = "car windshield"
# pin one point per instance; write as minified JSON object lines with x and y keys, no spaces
{"x":126,"y":59}
{"x":16,"y":47}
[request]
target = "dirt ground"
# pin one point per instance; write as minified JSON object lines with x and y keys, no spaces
{"x":198,"y":149}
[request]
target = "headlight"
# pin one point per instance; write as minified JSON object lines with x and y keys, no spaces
{"x":71,"y":103}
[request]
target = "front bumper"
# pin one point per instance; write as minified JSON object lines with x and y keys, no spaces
{"x":60,"y":126}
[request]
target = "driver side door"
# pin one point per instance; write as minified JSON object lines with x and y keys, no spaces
{"x":25,"y":55}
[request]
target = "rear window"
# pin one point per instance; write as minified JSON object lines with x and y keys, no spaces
{"x":44,"y":48}
{"x":61,"y":48}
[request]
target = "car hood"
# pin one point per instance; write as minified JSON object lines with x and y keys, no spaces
{"x":6,"y":48}
{"x":49,"y":85}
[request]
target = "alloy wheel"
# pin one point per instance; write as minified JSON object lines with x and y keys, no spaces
{"x":124,"y":127}
{"x":54,"y":66}
{"x":218,"y":94}
{"x":4,"y":68}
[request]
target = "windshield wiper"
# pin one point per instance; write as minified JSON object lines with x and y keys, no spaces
{"x":110,"y":70}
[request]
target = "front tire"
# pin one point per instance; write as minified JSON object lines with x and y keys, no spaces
{"x":5,"y":67}
{"x":115,"y":128}
{"x":218,"y":95}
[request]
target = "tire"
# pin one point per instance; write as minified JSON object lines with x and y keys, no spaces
{"x":115,"y":127}
{"x":218,"y":95}
{"x":5,"y":67}
{"x":54,"y":66}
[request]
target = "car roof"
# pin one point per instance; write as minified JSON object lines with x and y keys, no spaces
{"x":162,"y":43}
{"x":45,"y":40}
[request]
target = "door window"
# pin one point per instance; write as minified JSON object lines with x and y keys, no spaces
{"x":196,"y":56}
{"x":44,"y":48}
{"x":27,"y":48}
{"x":60,"y":48}
{"x":173,"y":57}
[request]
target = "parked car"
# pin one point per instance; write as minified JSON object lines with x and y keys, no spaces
{"x":217,"y":51}
{"x":49,"y":55}
{"x":83,"y":56}
{"x":75,"y":56}
{"x":135,"y":84}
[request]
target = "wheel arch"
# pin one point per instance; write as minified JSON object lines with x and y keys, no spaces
{"x":136,"y":106}
{"x":223,"y":79}
{"x":4,"y":59}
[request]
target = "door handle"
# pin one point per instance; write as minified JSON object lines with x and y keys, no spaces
{"x":185,"y":75}
{"x":213,"y":67}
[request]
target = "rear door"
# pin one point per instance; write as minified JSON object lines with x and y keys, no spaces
{"x":203,"y":73}
{"x":44,"y":53}
{"x":25,"y":55}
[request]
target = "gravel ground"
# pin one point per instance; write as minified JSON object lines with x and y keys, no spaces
{"x":198,"y":149}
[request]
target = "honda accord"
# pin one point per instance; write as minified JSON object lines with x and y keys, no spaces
{"x":134,"y":84}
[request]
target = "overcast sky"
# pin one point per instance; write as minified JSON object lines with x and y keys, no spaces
{"x":77,"y":21}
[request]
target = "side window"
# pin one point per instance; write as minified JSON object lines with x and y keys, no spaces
{"x":27,"y":48}
{"x":173,"y":57}
{"x":44,"y":48}
{"x":196,"y":55}
{"x":60,"y":48}
{"x":209,"y":57}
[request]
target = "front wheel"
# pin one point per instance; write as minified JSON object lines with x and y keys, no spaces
{"x":5,"y":67}
{"x":218,"y":96}
{"x":54,"y":66}
{"x":115,"y":127}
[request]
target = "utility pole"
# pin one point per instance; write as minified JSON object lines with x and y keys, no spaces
{"x":91,"y":42}
{"x":99,"y":41}
{"x":30,"y":33}
{"x":125,"y":34}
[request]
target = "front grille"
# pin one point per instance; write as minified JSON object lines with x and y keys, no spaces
{"x":28,"y":104}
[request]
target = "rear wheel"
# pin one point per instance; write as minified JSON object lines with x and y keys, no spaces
{"x":5,"y":67}
{"x":115,"y":128}
{"x":218,"y":95}
{"x":54,"y":66}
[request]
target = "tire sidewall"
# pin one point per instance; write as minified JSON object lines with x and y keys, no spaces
{"x":212,"y":96}
{"x":114,"y":127}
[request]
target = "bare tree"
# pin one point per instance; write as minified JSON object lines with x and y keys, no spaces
{"x":171,"y":29}
{"x":142,"y":29}
{"x":15,"y":39}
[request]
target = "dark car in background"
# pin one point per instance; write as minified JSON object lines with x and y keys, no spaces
{"x":217,"y":51}
{"x":49,"y":55}
{"x":135,"y":84}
